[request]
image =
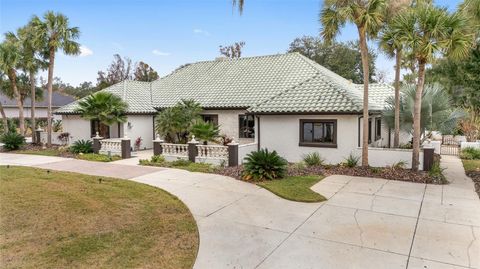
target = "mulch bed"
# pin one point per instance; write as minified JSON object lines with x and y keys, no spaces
{"x":33,"y":147}
{"x":475,"y":176}
{"x":328,"y":170}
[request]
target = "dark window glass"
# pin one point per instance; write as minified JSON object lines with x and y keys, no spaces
{"x":246,"y":126}
{"x":318,"y":132}
{"x":210,"y":119}
{"x":369,"y":131}
{"x":102,"y":129}
{"x":378,"y":128}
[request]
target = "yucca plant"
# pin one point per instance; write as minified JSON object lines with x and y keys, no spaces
{"x":313,"y":159}
{"x":264,"y":165}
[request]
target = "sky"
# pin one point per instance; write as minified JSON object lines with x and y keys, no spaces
{"x":169,"y":33}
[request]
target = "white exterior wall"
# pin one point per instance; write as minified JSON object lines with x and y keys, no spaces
{"x":40,"y":112}
{"x":244,"y":150}
{"x":382,"y":157}
{"x":140,"y":126}
{"x":77,"y":127}
{"x":228,"y":121}
{"x":282,"y":133}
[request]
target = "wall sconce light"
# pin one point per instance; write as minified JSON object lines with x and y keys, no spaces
{"x":130,"y":125}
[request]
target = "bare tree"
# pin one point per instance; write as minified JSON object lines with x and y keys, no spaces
{"x":233,"y":51}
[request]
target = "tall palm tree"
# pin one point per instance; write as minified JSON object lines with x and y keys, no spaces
{"x":54,"y":33}
{"x":240,"y":4}
{"x":368,"y":16}
{"x":9,"y":60}
{"x":31,"y":64}
{"x":104,"y":107}
{"x":393,"y":47}
{"x":429,"y":31}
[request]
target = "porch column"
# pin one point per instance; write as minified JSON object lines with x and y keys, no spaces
{"x":157,"y":146}
{"x":96,"y":143}
{"x":126,"y":149}
{"x":232,"y":153}
{"x":192,"y":149}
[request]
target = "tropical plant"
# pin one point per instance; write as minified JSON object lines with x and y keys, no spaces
{"x":9,"y":61}
{"x":12,"y":140}
{"x":368,"y":16}
{"x":436,"y":110}
{"x":64,"y":137}
{"x":313,"y":159}
{"x":175,"y":123}
{"x":82,"y":146}
{"x":205,"y":131}
{"x":470,"y":153}
{"x":351,"y":160}
{"x":264,"y":165}
{"x":428,"y":31}
{"x":393,"y":48}
{"x":57,"y":125}
{"x":240,"y":4}
{"x":54,"y":33}
{"x":104,"y":107}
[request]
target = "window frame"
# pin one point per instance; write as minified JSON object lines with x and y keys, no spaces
{"x":213,"y":116}
{"x":378,"y":129}
{"x":302,"y":143}
{"x":240,"y":133}
{"x":93,"y":124}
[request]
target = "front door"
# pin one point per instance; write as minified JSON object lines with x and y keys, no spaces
{"x":102,"y":129}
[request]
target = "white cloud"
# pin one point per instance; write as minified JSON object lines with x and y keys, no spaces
{"x":201,"y":32}
{"x":160,"y":53}
{"x":84,"y":51}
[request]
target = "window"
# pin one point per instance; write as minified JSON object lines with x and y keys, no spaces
{"x":246,"y":126}
{"x":378,"y":128}
{"x":318,"y":133}
{"x":210,"y":118}
{"x":102,"y":129}
{"x":369,"y":131}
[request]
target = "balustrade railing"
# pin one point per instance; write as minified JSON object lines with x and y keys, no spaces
{"x":175,"y":149}
{"x":212,"y":151}
{"x":112,"y":145}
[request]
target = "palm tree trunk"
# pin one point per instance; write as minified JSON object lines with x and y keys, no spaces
{"x":32,"y":106}
{"x":50,"y":90}
{"x":21,"y":119}
{"x":364,"y":54}
{"x":4,"y":119}
{"x":417,"y":109}
{"x":398,"y":62}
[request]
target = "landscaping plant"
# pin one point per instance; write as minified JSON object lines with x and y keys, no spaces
{"x":470,"y":154}
{"x":205,"y":131}
{"x":264,"y":165}
{"x":82,"y":146}
{"x":12,"y":140}
{"x":351,"y":160}
{"x":313,"y":159}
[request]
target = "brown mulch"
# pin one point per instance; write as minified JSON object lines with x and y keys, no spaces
{"x":328,"y":170}
{"x":475,"y":176}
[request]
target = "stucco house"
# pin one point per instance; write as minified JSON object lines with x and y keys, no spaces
{"x":283,"y":102}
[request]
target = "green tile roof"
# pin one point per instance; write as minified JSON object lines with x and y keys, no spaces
{"x":275,"y":83}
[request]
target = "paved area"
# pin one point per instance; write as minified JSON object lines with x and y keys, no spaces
{"x":366,"y":223}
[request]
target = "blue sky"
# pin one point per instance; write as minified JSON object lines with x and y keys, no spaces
{"x":169,"y":33}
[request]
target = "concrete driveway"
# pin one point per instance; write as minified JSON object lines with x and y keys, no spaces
{"x":366,"y":223}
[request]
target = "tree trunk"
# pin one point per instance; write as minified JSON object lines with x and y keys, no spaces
{"x":4,"y":119}
{"x":49,"y":88}
{"x":398,"y":63}
{"x":417,"y":109}
{"x":364,"y":54}
{"x":21,"y":119}
{"x":32,"y":106}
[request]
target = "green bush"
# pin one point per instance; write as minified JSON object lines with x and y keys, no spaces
{"x":313,"y":159}
{"x":470,"y":153}
{"x":82,"y":146}
{"x":180,"y":162}
{"x":264,"y":165}
{"x":98,"y":157}
{"x":12,"y":140}
{"x":437,"y":173}
{"x":157,"y":159}
{"x":351,"y":160}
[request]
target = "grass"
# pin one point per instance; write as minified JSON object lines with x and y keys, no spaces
{"x":181,"y":164}
{"x":98,"y":157}
{"x":471,"y":165}
{"x":45,"y":152}
{"x":69,"y":220}
{"x":295,"y":188}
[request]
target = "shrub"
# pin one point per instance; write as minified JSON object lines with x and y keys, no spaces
{"x":99,"y":157}
{"x":181,"y":162}
{"x":437,"y":173}
{"x":262,"y":164}
{"x":375,"y":170}
{"x":64,"y":137}
{"x":399,"y":165}
{"x":12,"y":140}
{"x":313,"y":159}
{"x":351,"y":160}
{"x":470,"y":153}
{"x":157,"y":159}
{"x":82,"y":146}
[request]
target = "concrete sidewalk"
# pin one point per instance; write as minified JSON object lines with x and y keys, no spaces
{"x":366,"y":223}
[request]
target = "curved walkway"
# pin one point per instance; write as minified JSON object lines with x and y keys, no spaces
{"x":366,"y":223}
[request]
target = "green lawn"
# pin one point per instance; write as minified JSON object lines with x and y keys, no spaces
{"x":63,"y":153}
{"x":45,"y":152}
{"x":98,"y":157}
{"x":295,"y":188}
{"x":68,"y":220}
{"x":471,"y":165}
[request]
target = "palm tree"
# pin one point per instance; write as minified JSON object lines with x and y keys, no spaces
{"x":103,"y":106}
{"x":437,"y":113}
{"x":54,"y":33}
{"x":240,"y":4}
{"x":205,"y":131}
{"x":471,"y":8}
{"x":393,"y":47}
{"x":368,"y":16}
{"x":9,"y":60}
{"x":428,"y":31}
{"x":175,"y":123}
